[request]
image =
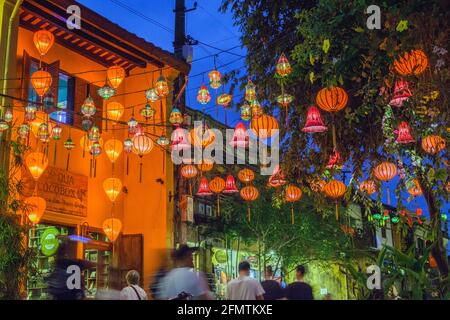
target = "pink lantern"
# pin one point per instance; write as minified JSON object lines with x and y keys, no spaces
{"x":404,"y":134}
{"x":240,"y":136}
{"x":203,"y":189}
{"x":180,"y":140}
{"x":314,"y":122}
{"x":401,"y":93}
{"x":230,"y":185}
{"x":335,"y":160}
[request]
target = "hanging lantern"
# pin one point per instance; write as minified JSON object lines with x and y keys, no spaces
{"x":128,"y":145}
{"x":285,"y":100}
{"x":249,"y":194}
{"x":332,"y":99}
{"x":151,"y":95}
{"x":41,"y":81}
{"x":240,"y":136}
{"x":283,"y":66}
{"x":35,"y":125}
{"x":246,"y":112}
{"x":115,"y":75}
{"x":205,"y":165}
{"x":415,"y":190}
{"x":95,"y":149}
{"x":188,"y":171}
{"x":335,"y":161}
{"x":69,"y":144}
{"x":35,"y":208}
{"x":114,"y":111}
{"x":277,"y":178}
{"x":36,"y":162}
{"x":86,"y":144}
{"x":23,"y":130}
{"x":404,"y":135}
{"x":176,"y":117}
{"x":180,"y":140}
{"x":250,"y":91}
{"x":412,"y":63}
{"x":56,"y":132}
{"x":214,"y":79}
{"x":161,"y":87}
{"x":433,"y":144}
{"x":368,"y":186}
{"x":246,"y":175}
{"x":163,"y":141}
{"x":94,"y":134}
{"x":113,"y":149}
{"x":132,"y":125}
{"x":385,"y":171}
{"x":43,"y":40}
{"x":148,"y":112}
{"x":30,"y":112}
{"x":291,"y":195}
{"x":106,"y":92}
{"x":401,"y":93}
{"x":256,"y":109}
{"x":3,"y":126}
{"x":224,"y":100}
{"x":203,"y":189}
{"x":142,"y":145}
{"x":217,"y":185}
{"x":8,"y":116}
{"x":201,"y":136}
{"x":112,"y":187}
{"x":314,"y":122}
{"x":203,"y":96}
{"x":335,"y":190}
{"x":88,"y":108}
{"x":230,"y":185}
{"x":86,"y":124}
{"x":264,"y":126}
{"x":43,"y":133}
{"x":112,"y":228}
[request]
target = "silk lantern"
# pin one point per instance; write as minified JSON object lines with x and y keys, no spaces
{"x":368,"y":186}
{"x":277,"y":178}
{"x":314,"y":122}
{"x":180,"y":140}
{"x":205,"y":165}
{"x":36,"y":162}
{"x":401,"y":93}
{"x":240,"y":136}
{"x":283,"y":67}
{"x":41,"y":81}
{"x":112,"y":228}
{"x":162,"y":87}
{"x":201,"y":136}
{"x":249,"y":194}
{"x":189,"y":172}
{"x":385,"y":171}
{"x":433,"y":144}
{"x":335,"y":190}
{"x":332,"y":99}
{"x":291,"y":195}
{"x":217,"y":185}
{"x":113,"y":149}
{"x":116,"y":75}
{"x":114,"y":111}
{"x":411,"y":63}
{"x":246,"y":175}
{"x":404,"y":134}
{"x":35,"y":208}
{"x":264,"y":126}
{"x":230,"y":185}
{"x":142,"y":145}
{"x":203,"y":189}
{"x":112,"y":187}
{"x":43,"y":40}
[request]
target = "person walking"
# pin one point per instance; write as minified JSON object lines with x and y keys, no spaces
{"x":272,"y":288}
{"x":244,"y":287}
{"x":299,"y":290}
{"x":133,"y":291}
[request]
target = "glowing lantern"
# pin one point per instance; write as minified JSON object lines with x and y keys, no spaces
{"x":214,"y":79}
{"x":35,"y":208}
{"x":201,"y":136}
{"x":203,"y":189}
{"x":112,"y":187}
{"x":206,"y":165}
{"x":249,"y":194}
{"x":291,"y":195}
{"x":412,"y":63}
{"x":36,"y":162}
{"x":106,"y":92}
{"x":334,"y":161}
{"x":230,"y":185}
{"x":113,"y":149}
{"x":43,"y":40}
{"x":368,"y":186}
{"x":246,"y":112}
{"x":112,"y":228}
{"x":188,"y":171}
{"x":56,"y":132}
{"x":246,"y":175}
{"x":88,"y":108}
{"x":152,"y":95}
{"x":415,"y":190}
{"x":224,"y":100}
{"x":43,"y":133}
{"x":114,"y":111}
{"x":30,"y":112}
{"x":95,"y":150}
{"x":404,"y":134}
{"x":8,"y":116}
{"x":142,"y":145}
{"x":314,"y":122}
{"x":250,"y":91}
{"x":3,"y":126}
{"x":148,"y":112}
{"x":240,"y":137}
{"x":256,"y":109}
{"x":203,"y":96}
{"x":283,"y":66}
{"x":332,"y":99}
{"x":401,"y":93}
{"x":385,"y":171}
{"x":285,"y":100}
{"x":180,"y":140}
{"x":277,"y":178}
{"x":176,"y":117}
{"x":86,"y":144}
{"x":69,"y":144}
{"x":163,"y":141}
{"x":433,"y":144}
{"x":41,"y":81}
{"x":115,"y":75}
{"x":264,"y":126}
{"x":335,"y":189}
{"x":161,"y":87}
{"x":217,"y":185}
{"x":94,"y":134}
{"x":132,"y":125}
{"x":128,"y":145}
{"x":23,"y":130}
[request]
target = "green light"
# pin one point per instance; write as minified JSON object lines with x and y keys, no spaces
{"x":395,"y":219}
{"x":444,"y":217}
{"x":376,"y":216}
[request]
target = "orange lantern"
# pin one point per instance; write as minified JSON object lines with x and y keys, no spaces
{"x":412,"y":63}
{"x":112,"y":228}
{"x":332,"y":99}
{"x":292,"y":194}
{"x":416,"y":190}
{"x":205,"y":165}
{"x":112,"y":187}
{"x":188,"y":171}
{"x":203,"y":96}
{"x":249,"y":194}
{"x":368,"y":186}
{"x":246,"y":175}
{"x":36,"y":162}
{"x":283,"y":66}
{"x":115,"y":75}
{"x":433,"y":144}
{"x":113,"y":149}
{"x":142,"y":145}
{"x":41,"y":81}
{"x":35,"y":208}
{"x":217,"y":185}
{"x":385,"y":171}
{"x":201,"y":136}
{"x":224,"y":99}
{"x":162,"y":87}
{"x":335,"y":190}
{"x":114,"y":111}
{"x":43,"y":40}
{"x":255,"y":108}
{"x":263,"y":126}
{"x":214,"y":79}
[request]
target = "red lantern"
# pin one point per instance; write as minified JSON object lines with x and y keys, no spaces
{"x":334,"y":161}
{"x":230,"y":185}
{"x":277,"y":178}
{"x":404,"y":134}
{"x":314,"y":122}
{"x":240,"y":136}
{"x":203,"y":189}
{"x":249,"y":194}
{"x":203,"y":96}
{"x":401,"y":93}
{"x":335,"y":190}
{"x":283,"y":66}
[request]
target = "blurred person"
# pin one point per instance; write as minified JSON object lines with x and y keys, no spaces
{"x":164,"y":268}
{"x":299,"y":290}
{"x":133,"y":291}
{"x":183,"y":283}
{"x":272,"y":288}
{"x":244,"y":287}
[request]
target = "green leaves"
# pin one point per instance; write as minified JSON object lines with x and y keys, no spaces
{"x":326,"y":45}
{"x":402,"y":26}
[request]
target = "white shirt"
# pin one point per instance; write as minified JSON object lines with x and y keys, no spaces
{"x":244,"y":288}
{"x":183,"y":280}
{"x":128,"y":293}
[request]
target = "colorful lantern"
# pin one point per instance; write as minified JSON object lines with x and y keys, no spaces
{"x":36,"y":162}
{"x":3,"y":126}
{"x":152,"y":95}
{"x":23,"y":130}
{"x":385,"y":171}
{"x":69,"y":144}
{"x":205,"y":165}
{"x":256,"y":109}
{"x":115,"y":75}
{"x":332,"y":99}
{"x":113,"y":149}
{"x":401,"y":93}
{"x":8,"y":116}
{"x":246,"y":112}
{"x":203,"y":189}
{"x":230,"y":185}
{"x":335,"y":161}
{"x":277,"y":178}
{"x":250,"y":91}
{"x":412,"y":63}
{"x":132,"y":125}
{"x":94,"y":134}
{"x":88,"y":108}
{"x":180,"y":140}
{"x":291,"y":195}
{"x":106,"y":92}
{"x":161,"y":87}
{"x":43,"y":133}
{"x":214,"y":79}
{"x":415,"y":190}
{"x":163,"y":141}
{"x":86,"y":144}
{"x":240,"y":136}
{"x":56,"y":132}
{"x":35,"y":208}
{"x":314,"y":122}
{"x":203,"y":96}
{"x":404,"y":135}
{"x":246,"y":175}
{"x":283,"y":66}
{"x":112,"y":228}
{"x":188,"y":171}
{"x":30,"y":112}
{"x":41,"y":81}
{"x":43,"y":40}
{"x":285,"y":100}
{"x":114,"y":111}
{"x":95,"y":150}
{"x":142,"y":145}
{"x":264,"y":126}
{"x":128,"y":145}
{"x":368,"y":186}
{"x":148,"y":112}
{"x":176,"y":117}
{"x":112,"y":187}
{"x":86,"y":124}
{"x":335,"y":190}
{"x":433,"y":144}
{"x":224,"y":100}
{"x":201,"y":136}
{"x":249,"y":194}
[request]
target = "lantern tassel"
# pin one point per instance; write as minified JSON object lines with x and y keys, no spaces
{"x":334,"y":135}
{"x":54,"y":154}
{"x":95,"y":168}
{"x":337,"y":212}
{"x":218,"y":206}
{"x":140,"y":172}
{"x":90,"y":168}
{"x":248,"y":214}
{"x":128,"y":158}
{"x":68,"y":160}
{"x":292,"y":215}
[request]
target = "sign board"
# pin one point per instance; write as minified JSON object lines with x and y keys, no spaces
{"x":187,"y":209}
{"x":49,"y":241}
{"x":65,"y":192}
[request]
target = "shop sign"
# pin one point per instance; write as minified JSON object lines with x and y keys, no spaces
{"x":49,"y":241}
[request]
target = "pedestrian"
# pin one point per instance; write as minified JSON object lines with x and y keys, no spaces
{"x":183,"y":283}
{"x":133,"y":291}
{"x":272,"y":288}
{"x":299,"y":290}
{"x":244,"y":287}
{"x":163,"y":269}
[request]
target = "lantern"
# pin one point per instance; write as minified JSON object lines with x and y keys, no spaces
{"x":415,"y":190}
{"x":256,"y":109}
{"x":201,"y":136}
{"x":86,"y":144}
{"x":69,"y":144}
{"x":368,"y":186}
{"x":250,"y":91}
{"x":142,"y":145}
{"x":161,"y":87}
{"x":106,"y":92}
{"x":180,"y":140}
{"x":163,"y":141}
{"x":291,"y":195}
{"x":115,"y":75}
{"x":224,"y":100}
{"x":94,"y":134}
{"x":283,"y":66}
{"x":95,"y":150}
{"x":246,"y":112}
{"x":433,"y":144}
{"x":230,"y":185}
{"x":43,"y":133}
{"x":112,"y":187}
{"x":41,"y":81}
{"x":23,"y":130}
{"x":43,"y":40}
{"x":88,"y":108}
{"x":277,"y":178}
{"x":148,"y":112}
{"x":249,"y":194}
{"x":176,"y":117}
{"x":206,"y":165}
{"x":240,"y":136}
{"x":203,"y":189}
{"x":246,"y":175}
{"x":335,"y":189}
{"x":188,"y":171}
{"x":332,"y":99}
{"x":3,"y":126}
{"x":113,"y":149}
{"x":214,"y":79}
{"x":334,"y":161}
{"x":114,"y":111}
{"x":86,"y":124}
{"x":263,"y":126}
{"x":412,"y":63}
{"x":112,"y":228}
{"x":401,"y":93}
{"x":314,"y":122}
{"x":8,"y":116}
{"x":132,"y":125}
{"x":128,"y":145}
{"x":203,"y":96}
{"x":36,"y":162}
{"x":217,"y":185}
{"x":35,"y":208}
{"x":385,"y":171}
{"x":30,"y":112}
{"x":56,"y":132}
{"x":404,"y":135}
{"x":151,"y":95}
{"x":285,"y":100}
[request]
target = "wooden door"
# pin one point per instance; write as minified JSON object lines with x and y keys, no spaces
{"x":130,"y":254}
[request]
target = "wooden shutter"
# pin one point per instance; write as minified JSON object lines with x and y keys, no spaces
{"x":25,"y":83}
{"x":53,"y":69}
{"x":79,"y":95}
{"x":130,"y":248}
